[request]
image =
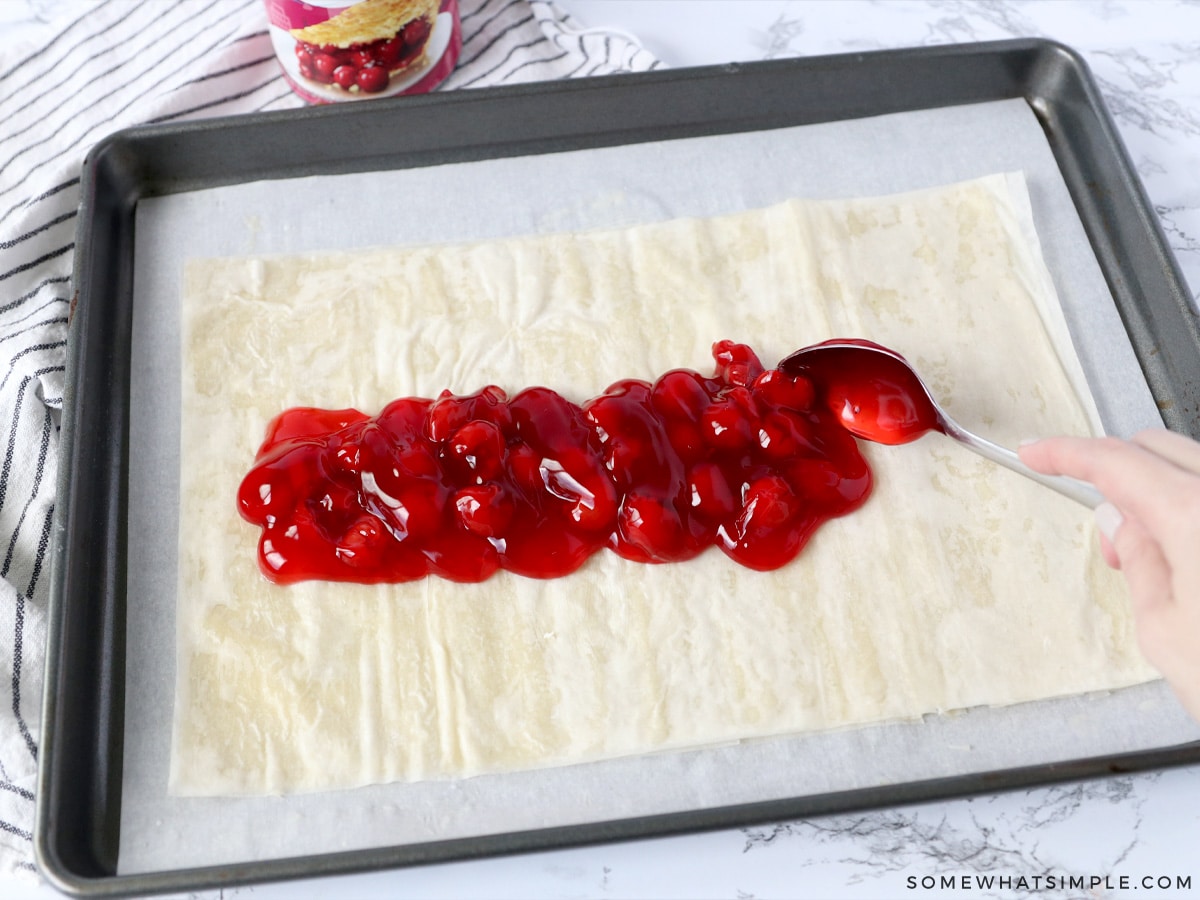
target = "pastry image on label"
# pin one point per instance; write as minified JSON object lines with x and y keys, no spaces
{"x":374,"y":48}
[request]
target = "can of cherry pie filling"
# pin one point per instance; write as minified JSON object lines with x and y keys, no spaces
{"x":334,"y":50}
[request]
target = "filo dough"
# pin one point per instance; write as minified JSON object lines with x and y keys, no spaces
{"x":958,"y":584}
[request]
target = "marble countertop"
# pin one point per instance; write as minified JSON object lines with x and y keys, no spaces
{"x":1124,"y":836}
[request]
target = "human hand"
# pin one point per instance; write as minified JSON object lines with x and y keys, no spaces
{"x":1150,"y":528}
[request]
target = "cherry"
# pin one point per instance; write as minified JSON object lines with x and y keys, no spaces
{"x":591,"y":498}
{"x":548,"y":422}
{"x":450,"y":413}
{"x":743,"y":399}
{"x":726,"y":427}
{"x":404,"y":419}
{"x":364,"y":543}
{"x":345,"y":76}
{"x":484,"y":509}
{"x":770,"y":529}
{"x":491,"y":405}
{"x":265,"y":493}
{"x":416,"y":512}
{"x":627,"y":460}
{"x":345,"y":458}
{"x":542,"y":548}
{"x":415,"y":33}
{"x":462,"y":555}
{"x":476,"y":449}
{"x":323,"y":65}
{"x":388,"y":53}
{"x":418,"y":460}
{"x":308,"y":422}
{"x":372,"y":79}
{"x":687,"y":440}
{"x":649,"y":528}
{"x":816,"y":479}
{"x":768,"y":503}
{"x":783,"y":434}
{"x":737,"y":364}
{"x":709,"y":492}
{"x":525,"y":466}
{"x":780,"y":389}
{"x":680,"y":394}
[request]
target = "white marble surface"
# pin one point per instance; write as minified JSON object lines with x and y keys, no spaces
{"x":1112,"y":833}
{"x":1144,"y":54}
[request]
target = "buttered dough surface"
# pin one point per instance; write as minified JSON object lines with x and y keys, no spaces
{"x":958,"y":584}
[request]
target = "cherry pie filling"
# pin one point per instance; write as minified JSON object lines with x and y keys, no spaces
{"x":747,"y":460}
{"x":367,"y":67}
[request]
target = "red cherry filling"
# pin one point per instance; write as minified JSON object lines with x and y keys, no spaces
{"x":369,"y":66}
{"x":463,"y":485}
{"x":372,"y":79}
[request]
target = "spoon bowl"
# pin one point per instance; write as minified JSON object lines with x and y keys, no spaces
{"x":878,"y":396}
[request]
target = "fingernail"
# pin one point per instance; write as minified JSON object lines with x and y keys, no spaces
{"x":1108,"y":520}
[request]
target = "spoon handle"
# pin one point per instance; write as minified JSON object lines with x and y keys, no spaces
{"x":1079,"y":491}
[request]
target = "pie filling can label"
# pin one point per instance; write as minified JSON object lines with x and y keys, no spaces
{"x":333,"y":51}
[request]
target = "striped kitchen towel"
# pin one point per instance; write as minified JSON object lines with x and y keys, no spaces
{"x":65,"y":84}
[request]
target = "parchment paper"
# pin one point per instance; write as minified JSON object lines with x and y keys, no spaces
{"x":562,"y":192}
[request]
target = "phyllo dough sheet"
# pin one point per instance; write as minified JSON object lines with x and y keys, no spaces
{"x":958,"y":584}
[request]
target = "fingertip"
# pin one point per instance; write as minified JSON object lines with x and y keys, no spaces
{"x":1032,"y":452}
{"x":1109,"y":520}
{"x":1051,"y":455}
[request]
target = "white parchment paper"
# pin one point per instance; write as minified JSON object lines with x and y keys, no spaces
{"x":565,"y":192}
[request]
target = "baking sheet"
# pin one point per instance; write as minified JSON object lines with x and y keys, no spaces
{"x":588,"y":189}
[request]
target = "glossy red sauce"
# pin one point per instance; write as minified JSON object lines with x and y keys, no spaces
{"x":462,"y":486}
{"x":872,"y":390}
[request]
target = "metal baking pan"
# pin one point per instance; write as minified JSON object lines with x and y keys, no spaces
{"x":79,"y":787}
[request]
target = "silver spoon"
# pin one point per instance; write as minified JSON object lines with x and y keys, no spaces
{"x":879,"y":397}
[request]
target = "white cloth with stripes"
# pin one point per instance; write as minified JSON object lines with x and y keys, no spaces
{"x":64,"y":85}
